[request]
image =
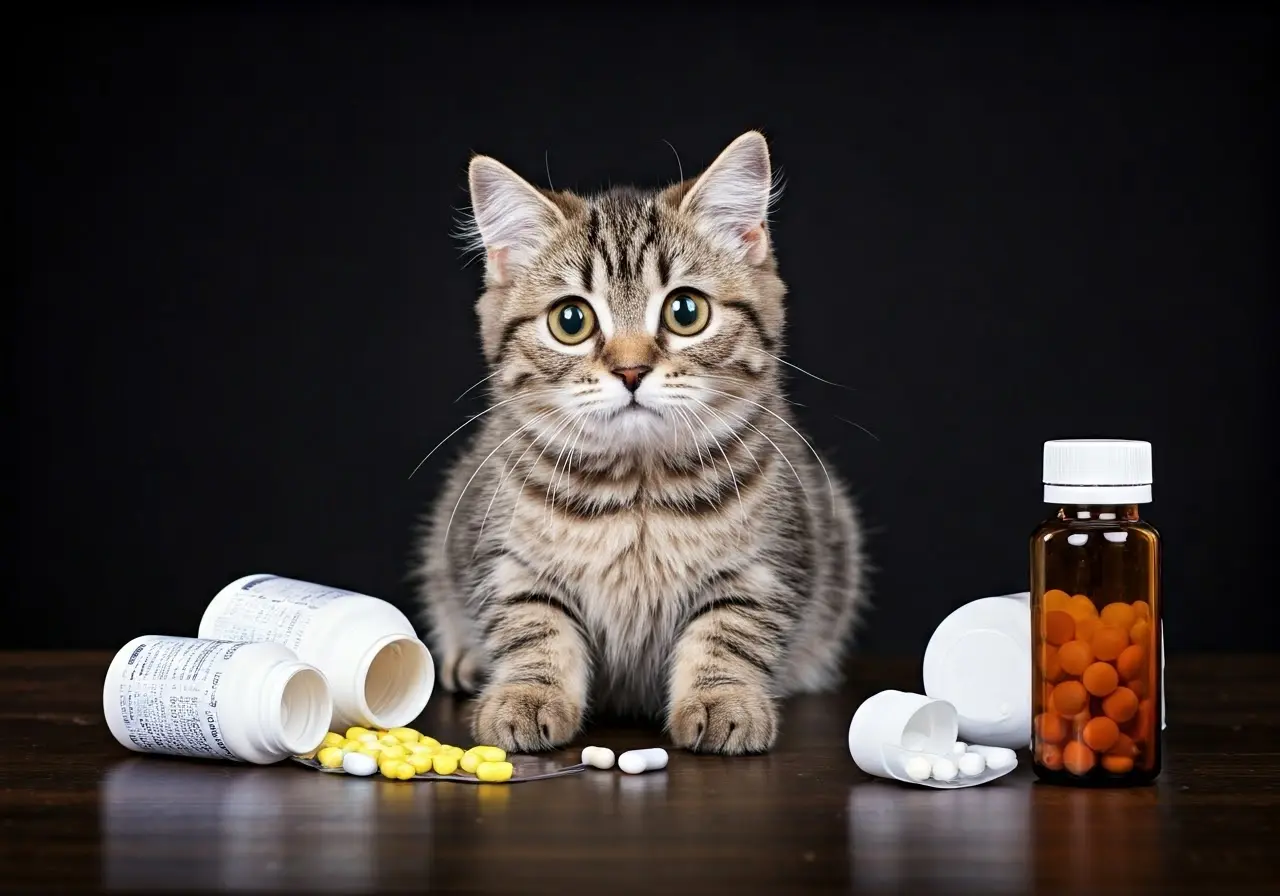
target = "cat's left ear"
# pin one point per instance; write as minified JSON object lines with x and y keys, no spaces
{"x":513,"y":219}
{"x":729,"y":202}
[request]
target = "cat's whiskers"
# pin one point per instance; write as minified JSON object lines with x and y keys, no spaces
{"x":506,"y":473}
{"x":831,"y":489}
{"x":734,"y":432}
{"x":515,"y":505}
{"x":799,"y":368}
{"x":477,"y":470}
{"x":733,"y":477}
{"x":524,"y":393}
{"x":554,"y":485}
{"x":697,"y":445}
{"x":473,"y":385}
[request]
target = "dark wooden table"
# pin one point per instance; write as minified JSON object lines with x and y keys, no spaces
{"x":82,"y":813}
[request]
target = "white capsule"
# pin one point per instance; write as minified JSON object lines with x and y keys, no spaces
{"x":633,"y":762}
{"x":959,"y":748}
{"x":998,"y":758}
{"x":971,"y":765}
{"x":359,"y":764}
{"x":598,"y":757}
{"x":919,"y":768}
{"x":944,"y":769}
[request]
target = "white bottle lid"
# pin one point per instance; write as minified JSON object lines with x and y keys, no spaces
{"x":979,"y":661}
{"x":1097,"y":471}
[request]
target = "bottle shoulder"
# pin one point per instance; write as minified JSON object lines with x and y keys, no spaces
{"x":1055,"y":527}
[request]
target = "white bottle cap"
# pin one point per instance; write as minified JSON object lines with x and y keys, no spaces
{"x":979,"y":661}
{"x":890,"y":722}
{"x":1097,"y":471}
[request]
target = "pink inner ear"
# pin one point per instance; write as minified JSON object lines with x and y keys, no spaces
{"x":757,"y":241}
{"x":498,"y":265}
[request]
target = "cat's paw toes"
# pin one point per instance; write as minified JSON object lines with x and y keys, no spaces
{"x":525,"y":718}
{"x":729,"y":719}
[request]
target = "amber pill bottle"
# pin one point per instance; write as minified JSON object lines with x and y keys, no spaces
{"x":1095,"y":618}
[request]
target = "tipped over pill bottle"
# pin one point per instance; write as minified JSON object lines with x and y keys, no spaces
{"x":1095,"y":618}
{"x":215,"y":699}
{"x":380,"y":674}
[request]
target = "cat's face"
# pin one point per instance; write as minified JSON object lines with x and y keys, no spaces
{"x":632,"y":322}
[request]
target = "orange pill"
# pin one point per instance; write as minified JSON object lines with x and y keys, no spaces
{"x":1074,"y":657}
{"x":1124,"y":746}
{"x":1050,"y":756}
{"x":1055,"y":600}
{"x":1078,"y":758}
{"x":1080,"y":607}
{"x":1141,"y":609}
{"x":1109,"y":642}
{"x":1100,"y":734}
{"x":1050,"y":666}
{"x":1121,"y":615}
{"x":1121,"y":704}
{"x":1140,"y":631}
{"x":1129,"y":662}
{"x":1070,"y":698}
{"x":1100,"y":679}
{"x":1078,"y":721}
{"x":1117,"y":765}
{"x":1138,"y":686}
{"x":1051,"y":728}
{"x":1087,"y":628}
{"x":1046,"y":696}
{"x":1059,"y":627}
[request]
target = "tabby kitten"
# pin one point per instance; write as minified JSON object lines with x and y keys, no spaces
{"x":637,"y":525}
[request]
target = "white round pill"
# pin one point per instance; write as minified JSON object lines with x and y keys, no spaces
{"x":633,"y":762}
{"x":960,"y":748}
{"x":919,"y":768}
{"x":359,"y":764}
{"x":597,"y":757}
{"x":971,"y":765}
{"x":998,"y":758}
{"x":944,"y":769}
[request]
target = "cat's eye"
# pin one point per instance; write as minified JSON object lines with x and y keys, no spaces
{"x":571,"y":321}
{"x":686,"y":312}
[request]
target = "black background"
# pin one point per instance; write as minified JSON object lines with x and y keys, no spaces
{"x":242,"y":319}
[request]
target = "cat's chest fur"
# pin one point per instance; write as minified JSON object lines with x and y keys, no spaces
{"x":635,"y":573}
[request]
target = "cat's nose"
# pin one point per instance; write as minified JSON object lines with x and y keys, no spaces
{"x":631,"y":376}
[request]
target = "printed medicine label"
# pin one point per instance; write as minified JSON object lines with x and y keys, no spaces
{"x":271,"y":608}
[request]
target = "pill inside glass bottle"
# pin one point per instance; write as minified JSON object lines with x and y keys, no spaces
{"x":1095,"y":618}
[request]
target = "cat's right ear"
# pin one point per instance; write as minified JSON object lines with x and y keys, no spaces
{"x":513,"y":220}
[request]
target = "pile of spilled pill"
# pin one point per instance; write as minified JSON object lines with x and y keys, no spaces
{"x":405,"y":754}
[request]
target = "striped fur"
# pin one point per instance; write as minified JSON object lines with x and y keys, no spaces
{"x":679,"y":553}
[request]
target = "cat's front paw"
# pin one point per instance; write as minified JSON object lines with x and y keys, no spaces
{"x":524,"y":717}
{"x":729,"y":719}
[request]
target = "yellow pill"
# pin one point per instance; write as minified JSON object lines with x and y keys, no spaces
{"x":396,"y":752}
{"x":374,"y":750}
{"x":455,"y":752}
{"x":397,"y":769}
{"x":388,"y":741}
{"x":444,"y":764}
{"x":367,"y":738}
{"x":429,"y":742}
{"x":351,"y":746}
{"x":421,"y":762}
{"x":469,"y":762}
{"x":405,"y":735}
{"x":490,"y":754}
{"x":330,"y":757}
{"x":311,"y":755}
{"x":333,"y":739}
{"x":355,"y":732}
{"x":422,"y":748}
{"x":494,"y":772}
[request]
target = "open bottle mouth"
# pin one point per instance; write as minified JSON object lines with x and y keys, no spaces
{"x":398,"y":682}
{"x":305,"y":709}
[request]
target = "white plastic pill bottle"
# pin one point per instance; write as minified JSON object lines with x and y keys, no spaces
{"x":380,"y":674}
{"x":215,"y":699}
